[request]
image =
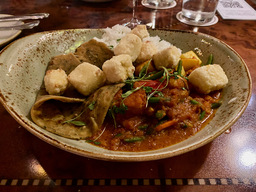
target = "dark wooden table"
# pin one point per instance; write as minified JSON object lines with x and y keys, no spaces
{"x":226,"y":164}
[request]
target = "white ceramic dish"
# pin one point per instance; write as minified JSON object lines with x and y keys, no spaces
{"x":6,"y":36}
{"x":23,"y":64}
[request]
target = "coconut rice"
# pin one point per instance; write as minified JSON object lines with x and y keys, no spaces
{"x":112,"y":36}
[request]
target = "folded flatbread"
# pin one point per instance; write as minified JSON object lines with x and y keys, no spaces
{"x":56,"y":113}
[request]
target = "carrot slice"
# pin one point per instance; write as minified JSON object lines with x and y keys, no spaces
{"x":165,"y":125}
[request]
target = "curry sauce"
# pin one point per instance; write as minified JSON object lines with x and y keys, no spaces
{"x":174,"y":114}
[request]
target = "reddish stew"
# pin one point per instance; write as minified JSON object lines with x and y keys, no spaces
{"x":171,"y":116}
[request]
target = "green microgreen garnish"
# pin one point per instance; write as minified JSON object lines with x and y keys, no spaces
{"x":74,"y":122}
{"x":91,"y":105}
{"x":148,"y":89}
{"x":144,"y":70}
{"x":126,"y":94}
{"x":115,"y":110}
{"x":78,"y":123}
{"x":121,"y":109}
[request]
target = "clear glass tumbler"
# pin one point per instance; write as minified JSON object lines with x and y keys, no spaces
{"x":199,"y":11}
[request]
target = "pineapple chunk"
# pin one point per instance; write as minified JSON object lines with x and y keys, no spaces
{"x":190,"y":60}
{"x":190,"y":63}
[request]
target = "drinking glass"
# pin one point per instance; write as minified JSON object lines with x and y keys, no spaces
{"x":134,"y":21}
{"x":199,"y":11}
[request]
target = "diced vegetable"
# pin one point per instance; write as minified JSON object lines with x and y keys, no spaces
{"x":160,"y":114}
{"x":190,"y":63}
{"x":190,"y":60}
{"x":190,"y":55}
{"x":165,"y":125}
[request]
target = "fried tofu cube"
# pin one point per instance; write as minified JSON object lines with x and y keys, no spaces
{"x":168,"y":57}
{"x":118,"y":68}
{"x":208,"y":78}
{"x":55,"y":81}
{"x":141,"y":31}
{"x":148,"y":49}
{"x":130,"y":44}
{"x":86,"y":78}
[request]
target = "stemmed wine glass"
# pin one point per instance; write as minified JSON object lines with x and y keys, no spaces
{"x":134,"y":21}
{"x":159,"y":4}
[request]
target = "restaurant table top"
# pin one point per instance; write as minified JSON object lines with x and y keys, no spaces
{"x":228,"y":163}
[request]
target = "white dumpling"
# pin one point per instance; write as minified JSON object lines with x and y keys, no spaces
{"x":86,"y":78}
{"x":130,"y":44}
{"x":55,"y":81}
{"x":208,"y":78}
{"x":118,"y":68}
{"x":168,"y":57}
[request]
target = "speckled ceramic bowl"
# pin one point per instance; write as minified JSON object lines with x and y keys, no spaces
{"x":23,"y":64}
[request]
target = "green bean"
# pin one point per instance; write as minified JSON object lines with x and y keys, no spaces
{"x":133,"y":139}
{"x":216,"y":105}
{"x":210,"y":60}
{"x":154,"y":99}
{"x":202,"y":115}
{"x":194,"y":102}
{"x":155,"y":76}
{"x":142,"y":127}
{"x":179,"y":68}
